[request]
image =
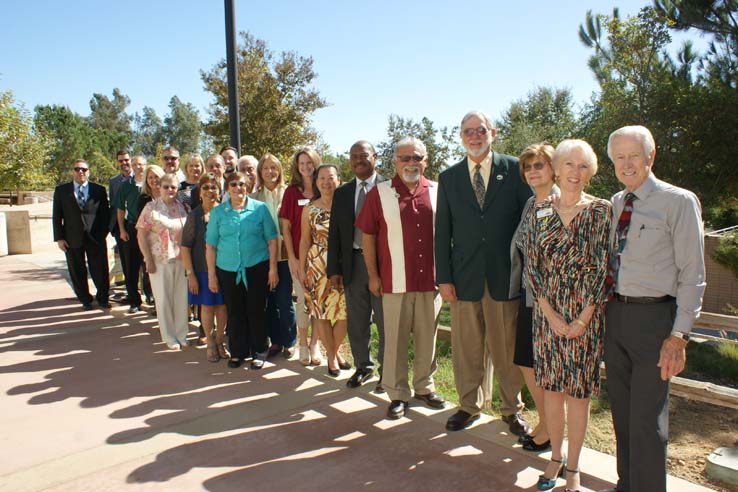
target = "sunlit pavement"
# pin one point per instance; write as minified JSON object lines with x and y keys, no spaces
{"x":94,"y":401}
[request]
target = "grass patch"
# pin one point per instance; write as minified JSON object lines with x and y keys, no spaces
{"x":713,"y":361}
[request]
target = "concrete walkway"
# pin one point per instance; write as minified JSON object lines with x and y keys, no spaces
{"x":94,"y":401}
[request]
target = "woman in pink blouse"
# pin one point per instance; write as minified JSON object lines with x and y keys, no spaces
{"x":160,"y":224}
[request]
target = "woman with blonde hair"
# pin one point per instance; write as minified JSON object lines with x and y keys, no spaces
{"x":193,"y":170}
{"x":270,"y":189}
{"x":298,"y":194}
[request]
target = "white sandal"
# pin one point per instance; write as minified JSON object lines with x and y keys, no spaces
{"x":316,"y":357}
{"x":304,"y":355}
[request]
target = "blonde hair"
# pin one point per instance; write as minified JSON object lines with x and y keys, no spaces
{"x":158,"y":172}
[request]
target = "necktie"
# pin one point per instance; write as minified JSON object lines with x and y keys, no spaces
{"x":359,"y":204}
{"x":621,"y":235}
{"x":479,"y":189}
{"x":81,"y":199}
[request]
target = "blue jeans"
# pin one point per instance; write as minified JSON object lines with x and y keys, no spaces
{"x":281,"y":310}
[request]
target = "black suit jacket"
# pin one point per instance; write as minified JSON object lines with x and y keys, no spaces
{"x":341,"y":231}
{"x":473,"y":245}
{"x":72,"y":224}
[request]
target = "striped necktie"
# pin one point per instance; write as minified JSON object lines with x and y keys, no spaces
{"x":81,"y":199}
{"x":620,"y":236}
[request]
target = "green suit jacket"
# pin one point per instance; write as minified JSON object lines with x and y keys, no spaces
{"x":473,"y":244}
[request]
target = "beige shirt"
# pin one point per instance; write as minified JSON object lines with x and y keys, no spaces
{"x":273,"y":200}
{"x":485,"y":170}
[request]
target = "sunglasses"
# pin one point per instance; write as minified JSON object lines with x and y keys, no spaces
{"x":81,"y":169}
{"x":168,"y":158}
{"x":169,"y":187}
{"x":538,"y":166}
{"x":470,"y":132}
{"x":408,"y":158}
{"x":234,"y":184}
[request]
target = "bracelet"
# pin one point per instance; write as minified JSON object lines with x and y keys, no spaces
{"x":580,"y":322}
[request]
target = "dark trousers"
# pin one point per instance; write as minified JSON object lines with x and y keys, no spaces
{"x":121,"y":246}
{"x":97,"y":261}
{"x":281,"y":310}
{"x":360,"y":303}
{"x":131,"y":259}
{"x":638,"y":396}
{"x":247,"y":328}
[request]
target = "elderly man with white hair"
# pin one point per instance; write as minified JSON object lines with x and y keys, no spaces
{"x":656,"y":280}
{"x":402,"y":273}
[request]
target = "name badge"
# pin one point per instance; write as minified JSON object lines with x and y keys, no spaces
{"x":303,"y":201}
{"x":544,"y":212}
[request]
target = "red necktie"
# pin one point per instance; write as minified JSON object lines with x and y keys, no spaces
{"x":620,"y":236}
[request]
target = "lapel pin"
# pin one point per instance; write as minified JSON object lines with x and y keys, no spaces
{"x":499,"y":177}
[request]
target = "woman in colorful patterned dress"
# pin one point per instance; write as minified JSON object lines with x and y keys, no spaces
{"x":566,"y":267}
{"x":322,"y":302}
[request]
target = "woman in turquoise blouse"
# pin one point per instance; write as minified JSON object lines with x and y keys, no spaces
{"x":241,"y":254}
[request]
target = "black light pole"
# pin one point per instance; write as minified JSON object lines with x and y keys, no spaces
{"x":232,"y":71}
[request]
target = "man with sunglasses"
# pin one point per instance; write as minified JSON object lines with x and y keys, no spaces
{"x":401,"y":273}
{"x":123,"y":160}
{"x":80,"y":220}
{"x":170,"y":163}
{"x":480,"y":200}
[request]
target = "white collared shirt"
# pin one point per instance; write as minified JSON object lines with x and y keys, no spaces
{"x":85,"y":189}
{"x":485,"y":170}
{"x":370,"y":183}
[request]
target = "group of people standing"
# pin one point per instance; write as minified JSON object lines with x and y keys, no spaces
{"x":543,"y":279}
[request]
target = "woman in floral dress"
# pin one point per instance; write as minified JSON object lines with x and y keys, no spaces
{"x":322,"y":302}
{"x":566,"y":266}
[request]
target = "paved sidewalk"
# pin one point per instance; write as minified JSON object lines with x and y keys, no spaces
{"x":94,"y":401}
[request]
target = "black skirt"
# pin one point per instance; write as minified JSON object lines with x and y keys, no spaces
{"x":524,"y":335}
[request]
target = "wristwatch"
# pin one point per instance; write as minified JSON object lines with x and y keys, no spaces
{"x":679,"y":334}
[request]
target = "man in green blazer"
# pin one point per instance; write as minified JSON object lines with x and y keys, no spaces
{"x":480,"y":200}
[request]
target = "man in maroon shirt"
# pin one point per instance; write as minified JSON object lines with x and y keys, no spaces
{"x":402,"y":273}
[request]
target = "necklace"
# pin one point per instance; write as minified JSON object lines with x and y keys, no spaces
{"x":568,"y":209}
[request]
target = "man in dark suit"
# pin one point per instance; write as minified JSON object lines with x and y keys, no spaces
{"x":114,"y":184}
{"x":480,"y":200}
{"x":346,"y":264}
{"x":81,"y":219}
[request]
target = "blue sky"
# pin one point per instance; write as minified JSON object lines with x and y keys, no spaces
{"x":414,"y":58}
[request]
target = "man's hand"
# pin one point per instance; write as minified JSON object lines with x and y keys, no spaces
{"x":336,"y":281}
{"x":672,"y":357}
{"x":123,"y":235}
{"x":375,"y":286}
{"x":63,"y":245}
{"x":448,"y":292}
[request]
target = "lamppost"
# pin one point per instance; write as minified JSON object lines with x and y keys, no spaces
{"x":232,"y":73}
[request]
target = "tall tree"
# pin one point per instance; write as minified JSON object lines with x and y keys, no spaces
{"x":111,"y":123}
{"x":182,"y":127}
{"x":544,"y":115}
{"x":22,"y":148}
{"x":276,"y":99}
{"x":148,"y":132}
{"x":441,"y":143}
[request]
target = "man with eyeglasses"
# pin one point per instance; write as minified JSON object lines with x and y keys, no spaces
{"x":247,"y":165}
{"x":170,"y":161}
{"x":80,"y":220}
{"x":213,"y":164}
{"x":123,"y":160}
{"x":345,"y":264}
{"x":402,"y":274}
{"x":480,"y":200}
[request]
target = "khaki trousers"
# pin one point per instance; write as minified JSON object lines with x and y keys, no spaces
{"x":483,"y":336}
{"x":410,"y":312}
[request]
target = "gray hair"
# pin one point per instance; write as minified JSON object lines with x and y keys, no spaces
{"x":640,"y":133}
{"x":217,"y":157}
{"x":568,"y":145}
{"x":479,"y":114}
{"x":416,"y":142}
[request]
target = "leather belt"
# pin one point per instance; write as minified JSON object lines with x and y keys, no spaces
{"x":359,"y":250}
{"x":643,"y":300}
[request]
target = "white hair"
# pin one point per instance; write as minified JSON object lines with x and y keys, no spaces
{"x":416,"y":142}
{"x":570,"y":144}
{"x":479,"y":114}
{"x":640,"y":133}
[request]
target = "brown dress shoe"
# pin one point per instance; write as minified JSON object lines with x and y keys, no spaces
{"x":516,"y":423}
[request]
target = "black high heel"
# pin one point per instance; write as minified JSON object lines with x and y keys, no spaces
{"x":334,"y":372}
{"x":568,"y":489}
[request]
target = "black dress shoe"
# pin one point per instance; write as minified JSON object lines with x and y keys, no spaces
{"x":234,"y":363}
{"x":460,"y":420}
{"x":396,"y":409}
{"x":133,"y":309}
{"x":87,"y":306}
{"x":358,"y":378}
{"x":379,"y":389}
{"x":105,"y":305}
{"x":516,"y":424}
{"x":536,"y":448}
{"x":432,"y":399}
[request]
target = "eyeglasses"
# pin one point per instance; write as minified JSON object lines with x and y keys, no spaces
{"x":81,"y":169}
{"x":209,"y":188}
{"x":538,"y":166}
{"x":408,"y":158}
{"x":169,"y":187}
{"x":168,"y":158}
{"x":470,"y":132}
{"x":240,"y":184}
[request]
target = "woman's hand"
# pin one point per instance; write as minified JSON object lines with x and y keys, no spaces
{"x":294,"y":265}
{"x":213,"y":283}
{"x":558,"y":324}
{"x":150,"y":265}
{"x":192,"y":284}
{"x":272,"y":279}
{"x":576,"y":328}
